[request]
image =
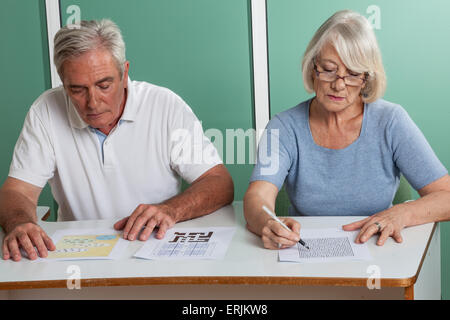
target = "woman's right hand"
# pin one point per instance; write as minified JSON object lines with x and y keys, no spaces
{"x":275,"y":236}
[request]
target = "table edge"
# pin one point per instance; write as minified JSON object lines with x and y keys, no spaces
{"x":210,"y":280}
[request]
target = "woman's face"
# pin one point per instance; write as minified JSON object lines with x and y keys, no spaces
{"x":335,"y":96}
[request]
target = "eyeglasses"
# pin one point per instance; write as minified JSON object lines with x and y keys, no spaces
{"x":331,"y":76}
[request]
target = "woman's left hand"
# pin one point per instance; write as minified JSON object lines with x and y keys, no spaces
{"x":389,"y":223}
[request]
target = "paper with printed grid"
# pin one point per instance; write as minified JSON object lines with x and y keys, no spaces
{"x":326,"y":245}
{"x":188,"y":244}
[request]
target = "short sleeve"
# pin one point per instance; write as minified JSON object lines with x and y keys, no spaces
{"x":191,"y":151}
{"x":33,"y":158}
{"x":274,"y":160}
{"x":412,"y":153}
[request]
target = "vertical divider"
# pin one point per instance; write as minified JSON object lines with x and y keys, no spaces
{"x":53,"y":13}
{"x":260,"y":66}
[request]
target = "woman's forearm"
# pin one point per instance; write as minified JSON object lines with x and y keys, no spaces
{"x":253,"y":212}
{"x":433,"y":207}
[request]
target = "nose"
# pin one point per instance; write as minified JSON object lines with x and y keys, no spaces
{"x":338,"y":84}
{"x":92,"y":98}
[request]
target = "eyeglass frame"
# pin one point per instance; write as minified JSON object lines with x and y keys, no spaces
{"x":366,"y":75}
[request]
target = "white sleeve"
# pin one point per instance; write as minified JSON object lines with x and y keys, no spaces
{"x":33,"y":158}
{"x":191,"y":152}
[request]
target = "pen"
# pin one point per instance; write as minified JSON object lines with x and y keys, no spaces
{"x":273,"y":216}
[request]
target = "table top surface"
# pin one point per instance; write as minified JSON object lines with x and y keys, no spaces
{"x":246,"y":261}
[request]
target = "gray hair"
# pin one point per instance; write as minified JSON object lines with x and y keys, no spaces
{"x":73,"y":40}
{"x":354,"y":40}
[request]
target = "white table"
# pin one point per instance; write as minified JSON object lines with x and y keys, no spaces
{"x":407,"y":270}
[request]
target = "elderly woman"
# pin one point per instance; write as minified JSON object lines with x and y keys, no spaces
{"x":343,"y":151}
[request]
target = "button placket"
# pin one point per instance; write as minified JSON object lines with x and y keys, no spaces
{"x":107,"y":154}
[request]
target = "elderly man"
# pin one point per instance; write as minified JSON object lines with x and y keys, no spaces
{"x":109,"y":147}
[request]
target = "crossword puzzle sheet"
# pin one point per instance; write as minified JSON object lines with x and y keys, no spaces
{"x":325,"y":245}
{"x":189,"y":243}
{"x":86,"y":244}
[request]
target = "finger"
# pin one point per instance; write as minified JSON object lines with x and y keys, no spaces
{"x":130,"y":221}
{"x":363,"y":230}
{"x":385,"y":233}
{"x":27,"y":245}
{"x":267,"y":232}
{"x":48,"y":241}
{"x":5,"y":250}
{"x":369,"y":232}
{"x":355,"y":225}
{"x":269,"y":244}
{"x":119,"y":225}
{"x":38,"y":242}
{"x":294,"y":225}
{"x":139,"y":223}
{"x":14,"y":249}
{"x":279,"y":231}
{"x":148,"y":229}
{"x":397,"y":236}
{"x":163,"y":227}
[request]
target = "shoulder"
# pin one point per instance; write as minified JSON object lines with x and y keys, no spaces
{"x":158,"y":97}
{"x":49,"y":98}
{"x":161,"y":106}
{"x":146,"y":90}
{"x":392,"y":121}
{"x":291,"y":118}
{"x":385,"y":110}
{"x":51,"y":103}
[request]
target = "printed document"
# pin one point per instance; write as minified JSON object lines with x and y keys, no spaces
{"x":326,"y":245}
{"x":73,"y":244}
{"x":188,"y":243}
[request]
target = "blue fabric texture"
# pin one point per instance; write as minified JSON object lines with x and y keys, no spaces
{"x":102,"y":137}
{"x":359,"y":180}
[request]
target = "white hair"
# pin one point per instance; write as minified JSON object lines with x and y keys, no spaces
{"x":74,"y":40}
{"x":354,"y":40}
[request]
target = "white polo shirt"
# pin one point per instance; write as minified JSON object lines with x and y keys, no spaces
{"x":157,"y":141}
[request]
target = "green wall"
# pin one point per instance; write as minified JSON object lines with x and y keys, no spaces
{"x":415,"y":44}
{"x":25,"y":67}
{"x":200,"y":49}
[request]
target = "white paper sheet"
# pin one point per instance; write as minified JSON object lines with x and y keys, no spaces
{"x":87,"y":244}
{"x":326,"y":245}
{"x":188,"y":243}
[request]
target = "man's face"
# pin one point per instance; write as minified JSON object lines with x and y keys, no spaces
{"x":95,"y":88}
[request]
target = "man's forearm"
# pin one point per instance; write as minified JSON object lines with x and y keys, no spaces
{"x":203,"y":197}
{"x":15,"y":209}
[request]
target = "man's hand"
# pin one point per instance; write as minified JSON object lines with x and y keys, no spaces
{"x":149,"y":217}
{"x":26,"y":236}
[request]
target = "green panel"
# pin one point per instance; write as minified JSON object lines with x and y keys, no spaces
{"x":414,"y":43}
{"x":200,"y":49}
{"x":25,"y":66}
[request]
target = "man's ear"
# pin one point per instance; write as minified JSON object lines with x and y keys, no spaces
{"x":125,"y":73}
